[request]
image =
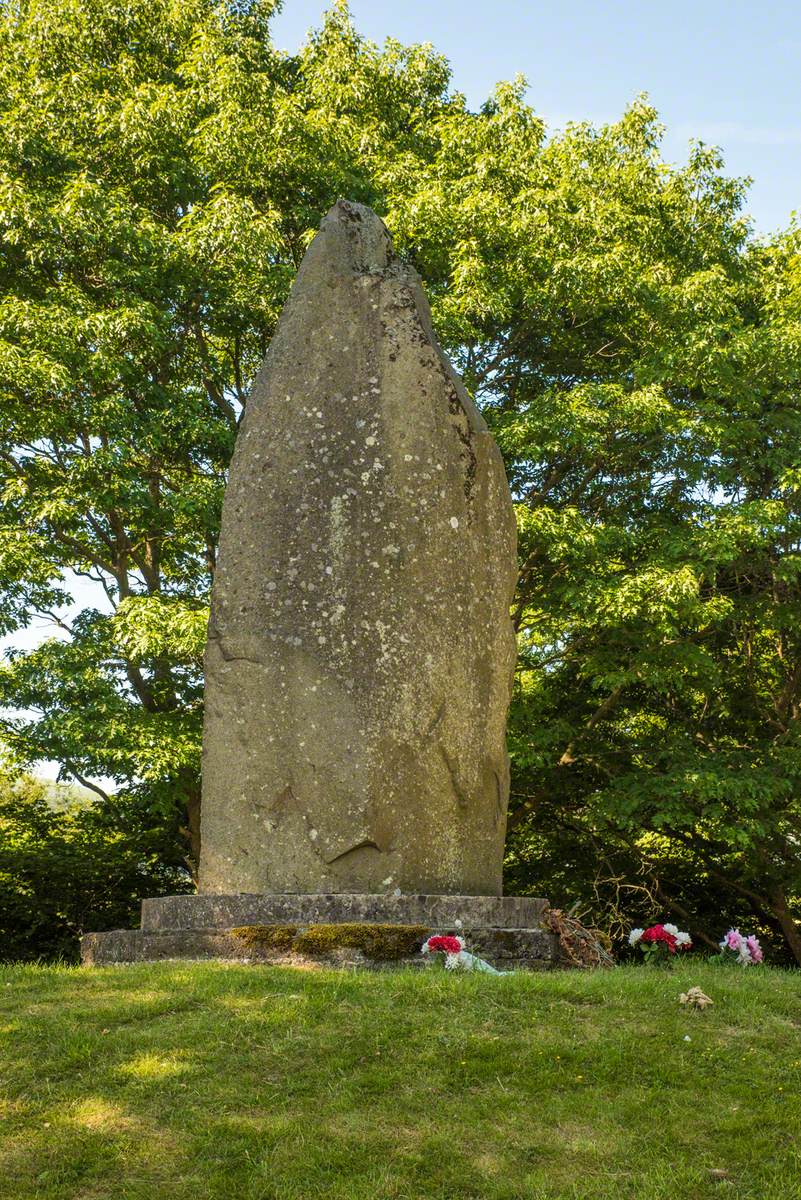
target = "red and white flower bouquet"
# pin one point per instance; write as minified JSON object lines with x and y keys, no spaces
{"x":456,"y":957}
{"x":451,"y":947}
{"x":660,"y":943}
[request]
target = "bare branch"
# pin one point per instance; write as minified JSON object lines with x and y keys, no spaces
{"x":87,"y":783}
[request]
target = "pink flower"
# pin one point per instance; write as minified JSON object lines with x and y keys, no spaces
{"x":733,"y":940}
{"x":754,"y":948}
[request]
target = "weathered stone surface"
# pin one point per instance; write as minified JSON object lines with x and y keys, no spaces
{"x":163,"y":913}
{"x":507,"y":930}
{"x":508,"y":949}
{"x":360,"y":651}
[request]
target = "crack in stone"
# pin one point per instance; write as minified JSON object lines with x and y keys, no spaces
{"x":461,"y":798}
{"x":436,"y":721}
{"x":365,"y":843}
{"x":457,"y":409}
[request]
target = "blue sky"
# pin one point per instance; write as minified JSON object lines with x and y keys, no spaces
{"x":728,"y":73}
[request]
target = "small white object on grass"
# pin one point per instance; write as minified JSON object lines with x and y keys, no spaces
{"x":695,"y":998}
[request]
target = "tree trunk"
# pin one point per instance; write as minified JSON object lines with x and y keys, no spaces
{"x":787,"y":922}
{"x":191,"y":830}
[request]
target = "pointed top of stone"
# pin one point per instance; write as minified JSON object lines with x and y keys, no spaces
{"x":352,"y":240}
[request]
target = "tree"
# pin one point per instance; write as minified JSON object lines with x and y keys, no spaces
{"x":636,"y":352}
{"x":68,"y":866}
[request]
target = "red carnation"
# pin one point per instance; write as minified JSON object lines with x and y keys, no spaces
{"x":658,"y":933}
{"x":450,"y":945}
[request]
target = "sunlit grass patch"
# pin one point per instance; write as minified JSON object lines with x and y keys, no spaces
{"x":218,"y":1082}
{"x":97,"y":1113}
{"x":154,"y":1066}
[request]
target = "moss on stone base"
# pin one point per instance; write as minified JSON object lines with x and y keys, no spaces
{"x":265,"y":937}
{"x":379,"y":942}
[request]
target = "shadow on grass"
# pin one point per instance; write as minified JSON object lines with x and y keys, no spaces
{"x":225,"y":1081}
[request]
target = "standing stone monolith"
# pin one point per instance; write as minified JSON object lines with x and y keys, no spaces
{"x":360,"y":653}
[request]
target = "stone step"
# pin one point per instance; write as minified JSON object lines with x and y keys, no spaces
{"x":437,"y":912}
{"x":507,"y":949}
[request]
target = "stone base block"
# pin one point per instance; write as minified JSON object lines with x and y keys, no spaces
{"x":347,"y":930}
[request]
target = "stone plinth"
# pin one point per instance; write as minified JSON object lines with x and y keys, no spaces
{"x":352,"y":930}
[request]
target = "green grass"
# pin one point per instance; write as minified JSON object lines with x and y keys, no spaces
{"x":214,"y":1081}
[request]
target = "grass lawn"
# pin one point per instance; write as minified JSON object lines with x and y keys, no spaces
{"x":207,"y":1080}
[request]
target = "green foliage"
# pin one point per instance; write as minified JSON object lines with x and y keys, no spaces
{"x":636,"y":351}
{"x":659,"y":604}
{"x":73,"y":868}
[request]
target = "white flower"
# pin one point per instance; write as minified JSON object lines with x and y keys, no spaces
{"x":682,"y":939}
{"x":452,"y":961}
{"x":635,"y":936}
{"x":671,"y":929}
{"x":744,"y":956}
